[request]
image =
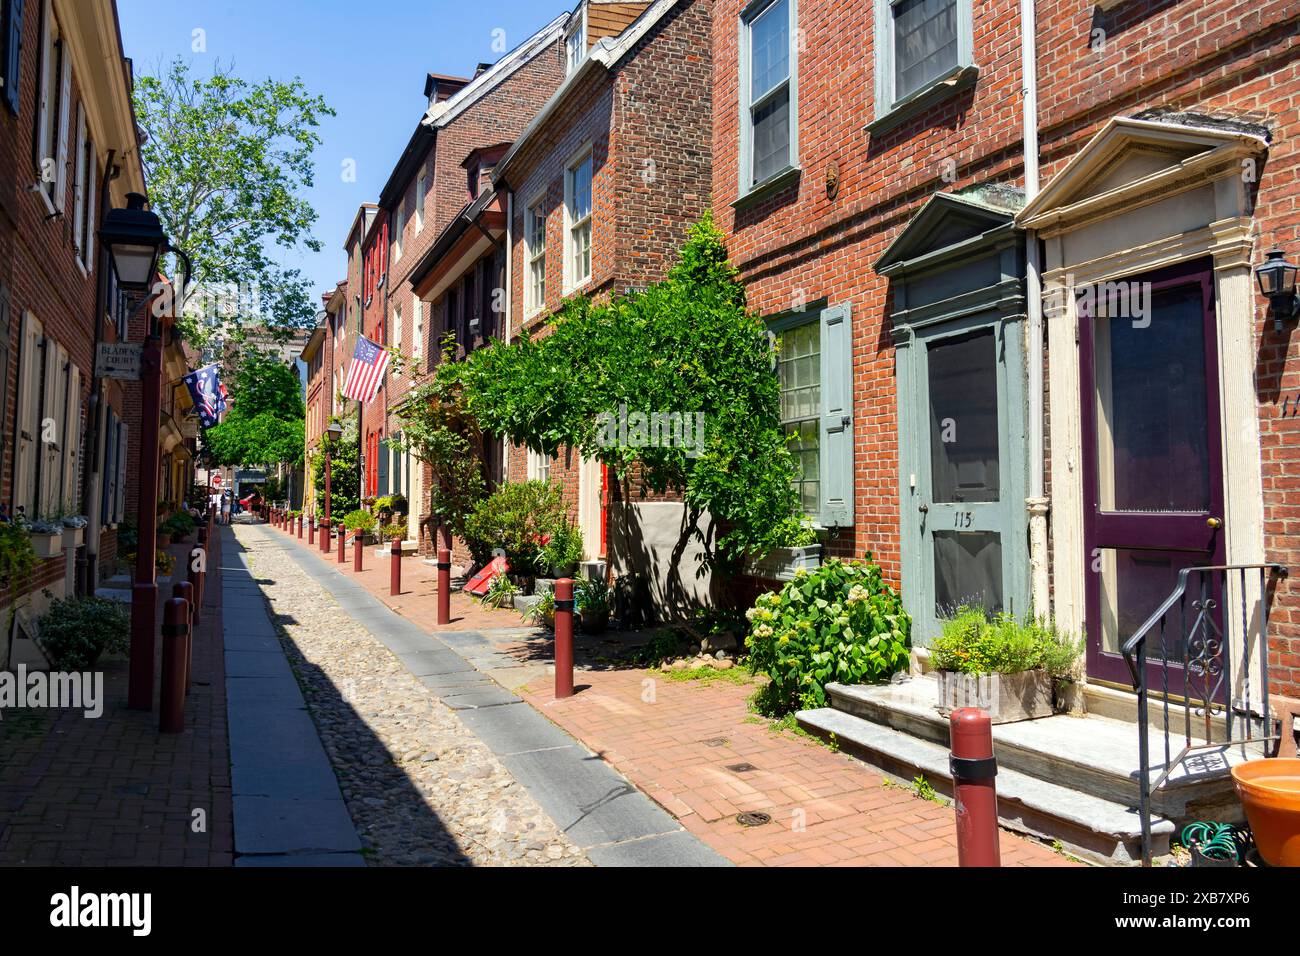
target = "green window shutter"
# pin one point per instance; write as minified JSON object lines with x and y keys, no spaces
{"x":836,"y":457}
{"x":381,"y":463}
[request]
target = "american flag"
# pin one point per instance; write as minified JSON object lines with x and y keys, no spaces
{"x":207,"y":392}
{"x":369,"y":363}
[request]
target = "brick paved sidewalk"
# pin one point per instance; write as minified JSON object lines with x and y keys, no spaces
{"x":113,"y":791}
{"x":697,"y":750}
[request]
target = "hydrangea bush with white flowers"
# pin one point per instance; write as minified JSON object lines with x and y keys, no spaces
{"x":840,"y":622}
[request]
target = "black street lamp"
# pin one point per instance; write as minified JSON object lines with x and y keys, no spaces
{"x":135,"y":240}
{"x":1276,"y":278}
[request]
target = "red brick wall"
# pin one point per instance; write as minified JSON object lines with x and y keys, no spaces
{"x":799,"y":246}
{"x":39,"y":267}
{"x":1223,"y":58}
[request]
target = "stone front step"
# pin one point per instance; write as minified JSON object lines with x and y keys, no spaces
{"x":1091,"y":754}
{"x":1089,"y":827}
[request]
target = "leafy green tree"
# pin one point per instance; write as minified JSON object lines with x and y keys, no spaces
{"x":686,"y":345}
{"x":226,"y":161}
{"x":438,"y":430}
{"x":265,"y":424}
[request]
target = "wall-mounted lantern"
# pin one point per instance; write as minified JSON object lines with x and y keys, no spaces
{"x":1276,"y":277}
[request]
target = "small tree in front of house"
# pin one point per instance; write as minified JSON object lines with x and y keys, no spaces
{"x":686,"y":348}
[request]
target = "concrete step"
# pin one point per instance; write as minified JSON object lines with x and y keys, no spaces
{"x":1093,"y":754}
{"x":1087,"y":826}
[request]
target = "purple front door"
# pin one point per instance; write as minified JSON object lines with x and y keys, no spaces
{"x":1152,"y":457}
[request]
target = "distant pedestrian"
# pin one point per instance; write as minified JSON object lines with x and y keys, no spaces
{"x":225,"y":508}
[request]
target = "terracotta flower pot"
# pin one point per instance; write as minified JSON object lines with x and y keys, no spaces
{"x":1269,"y":790}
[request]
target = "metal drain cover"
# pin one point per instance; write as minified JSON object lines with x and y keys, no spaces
{"x":715,"y":742}
{"x":753,"y":818}
{"x":741,"y":767}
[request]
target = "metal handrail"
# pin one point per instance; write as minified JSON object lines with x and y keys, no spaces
{"x":1211,"y":654}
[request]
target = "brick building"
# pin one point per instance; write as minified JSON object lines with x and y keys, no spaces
{"x":922,"y":258}
{"x":428,"y":200}
{"x":601,"y":188}
{"x":67,"y":155}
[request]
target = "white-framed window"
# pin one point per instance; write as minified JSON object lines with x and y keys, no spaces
{"x":52,"y":122}
{"x":399,"y":226}
{"x":535,"y":253}
{"x":47,"y":459}
{"x":577,"y":220}
{"x":575,"y":43}
{"x":539,"y":466}
{"x":397,"y":327}
{"x":417,"y":327}
{"x":769,"y":91}
{"x":920,"y":44}
{"x":84,"y":185}
{"x":421,"y":190}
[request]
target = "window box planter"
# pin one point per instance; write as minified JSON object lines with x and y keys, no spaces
{"x":47,"y":544}
{"x":1006,"y":697}
{"x":72,"y":537}
{"x":780,"y":564}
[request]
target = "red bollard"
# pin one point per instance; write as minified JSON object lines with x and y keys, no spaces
{"x":299,"y":527}
{"x":343,"y":539}
{"x":175,"y":634}
{"x":975,"y":796}
{"x":185,"y":591}
{"x":564,"y":638}
{"x":395,"y":568}
{"x":311,"y":532}
{"x":357,"y":549}
{"x":444,"y":586}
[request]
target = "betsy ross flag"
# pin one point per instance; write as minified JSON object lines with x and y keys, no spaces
{"x":369,"y":362}
{"x":207,"y":392}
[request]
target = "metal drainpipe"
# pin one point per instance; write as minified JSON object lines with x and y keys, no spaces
{"x":509,"y":297}
{"x":1037,"y":503}
{"x":88,"y":554}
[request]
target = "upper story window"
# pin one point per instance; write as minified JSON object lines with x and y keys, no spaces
{"x":397,"y":327}
{"x":769,"y":98}
{"x":535,"y":254}
{"x":575,"y":44}
{"x":52,"y":127}
{"x":421,"y":189}
{"x":577,"y":214}
{"x":417,"y":327}
{"x":399,"y":226}
{"x":920,"y":44}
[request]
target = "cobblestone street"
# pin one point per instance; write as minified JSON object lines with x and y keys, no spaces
{"x":421,"y":788}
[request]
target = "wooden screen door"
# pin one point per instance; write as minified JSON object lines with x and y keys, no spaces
{"x":1152,"y":461}
{"x":969,"y":454}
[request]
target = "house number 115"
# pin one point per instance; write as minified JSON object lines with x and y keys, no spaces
{"x":962,"y":519}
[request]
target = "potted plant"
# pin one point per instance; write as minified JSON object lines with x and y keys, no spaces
{"x":47,"y":537}
{"x":74,"y":528}
{"x":592,"y":598}
{"x":1003,"y":666}
{"x":76,"y":631}
{"x":393,"y":534}
{"x":500,"y":592}
{"x":163,"y":562}
{"x":360,"y":523}
{"x":562,"y":551}
{"x":543,"y":612}
{"x":800,"y":550}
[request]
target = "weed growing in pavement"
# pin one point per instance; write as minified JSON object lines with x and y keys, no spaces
{"x":707,"y":675}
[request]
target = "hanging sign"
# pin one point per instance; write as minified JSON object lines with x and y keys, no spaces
{"x":120,"y":360}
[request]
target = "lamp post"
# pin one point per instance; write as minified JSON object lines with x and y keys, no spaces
{"x":333,"y":433}
{"x":135,"y":240}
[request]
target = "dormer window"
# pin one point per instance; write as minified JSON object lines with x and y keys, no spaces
{"x":575,"y":43}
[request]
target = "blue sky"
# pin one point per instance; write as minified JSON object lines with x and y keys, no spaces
{"x":368,"y":59}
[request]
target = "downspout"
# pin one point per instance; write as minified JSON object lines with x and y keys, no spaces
{"x":88,"y":556}
{"x":509,"y":302}
{"x":1037,"y":503}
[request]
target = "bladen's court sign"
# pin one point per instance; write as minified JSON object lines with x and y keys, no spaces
{"x":120,"y":360}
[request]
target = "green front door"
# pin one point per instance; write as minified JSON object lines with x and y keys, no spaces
{"x":963,"y":502}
